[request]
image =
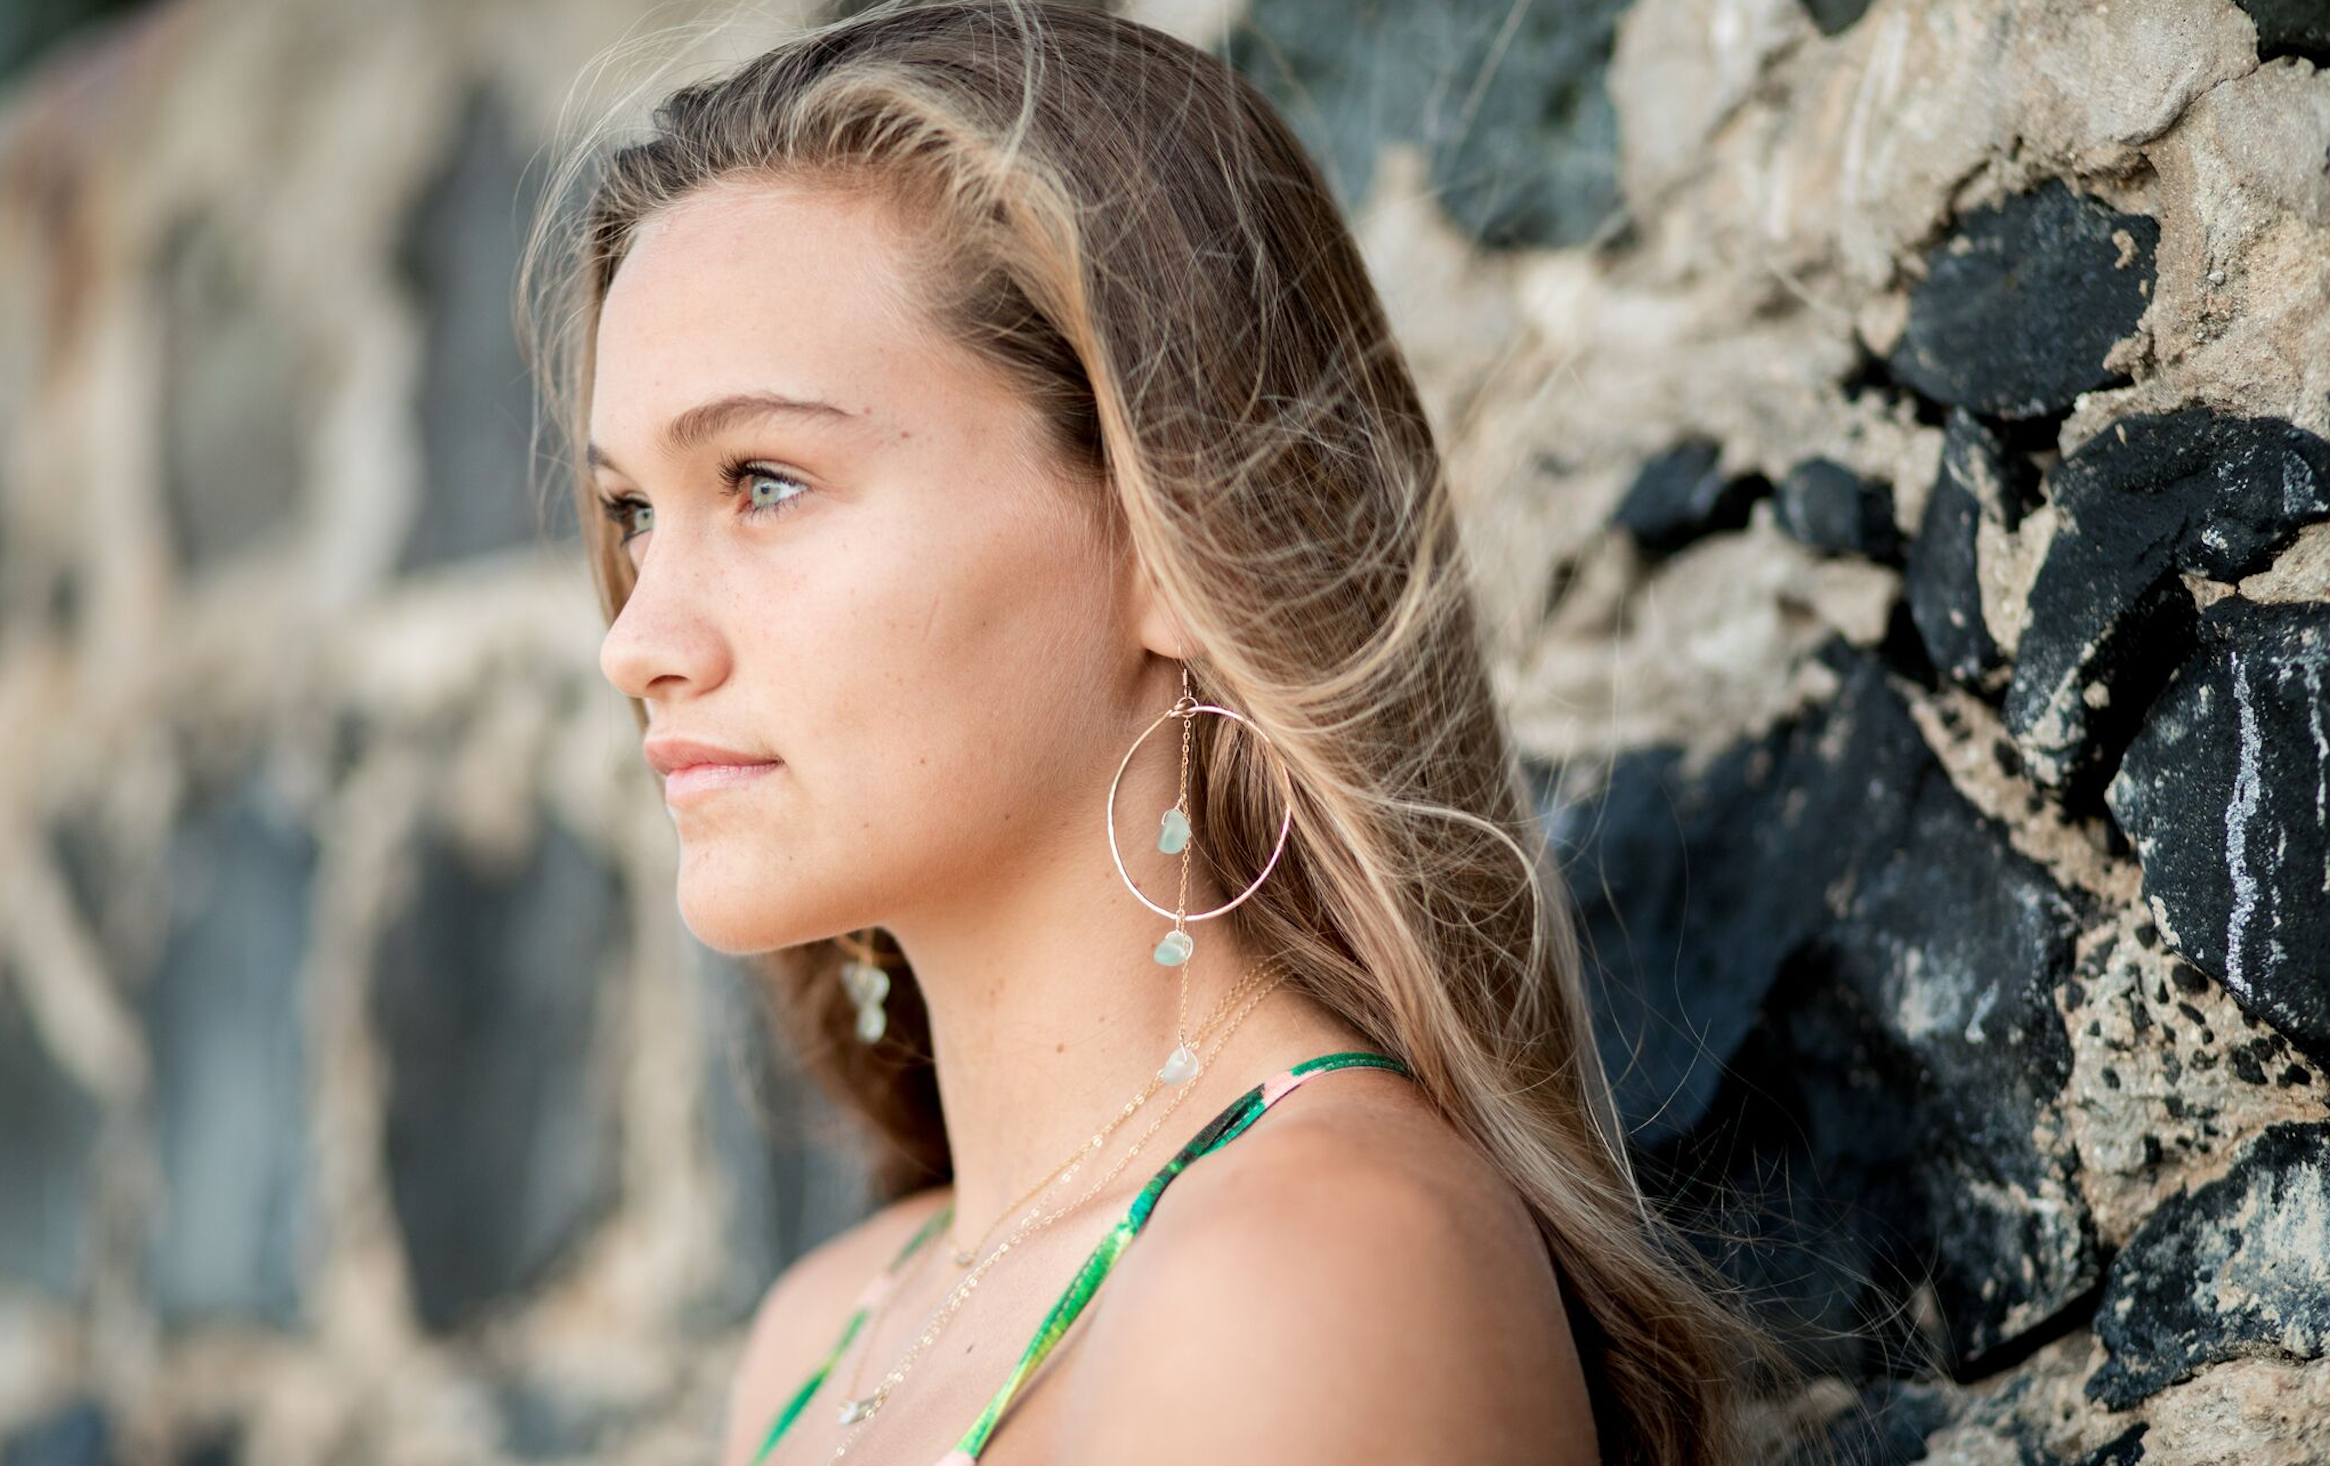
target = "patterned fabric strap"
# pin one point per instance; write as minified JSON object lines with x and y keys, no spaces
{"x":868,"y":1297}
{"x":1224,"y":1128}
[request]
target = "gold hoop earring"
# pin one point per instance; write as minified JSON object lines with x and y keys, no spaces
{"x":1174,"y":836}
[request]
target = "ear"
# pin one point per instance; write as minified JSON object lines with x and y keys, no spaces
{"x":1159,"y":630}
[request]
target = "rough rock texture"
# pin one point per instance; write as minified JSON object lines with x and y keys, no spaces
{"x":1862,"y":992}
{"x":2235,"y":1267}
{"x":2225,"y":791}
{"x":1894,"y":445}
{"x":2137,"y":509}
{"x":2022,"y":302}
{"x":1942,"y":570}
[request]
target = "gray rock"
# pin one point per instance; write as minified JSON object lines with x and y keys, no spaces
{"x":48,"y":1133}
{"x":1835,"y":17}
{"x":486,"y":998}
{"x":237,"y":392}
{"x":458,"y":257}
{"x":1818,"y":945}
{"x":792,"y":1176}
{"x":2290,"y":28}
{"x":1681,"y":495}
{"x":1507,"y":104}
{"x":224,"y":1020}
{"x":78,"y":1433}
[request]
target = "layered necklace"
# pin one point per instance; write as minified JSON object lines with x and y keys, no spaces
{"x":855,"y":1408}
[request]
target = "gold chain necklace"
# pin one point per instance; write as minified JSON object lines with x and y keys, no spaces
{"x":965,"y":1257}
{"x":855,"y":1407}
{"x":962,"y":1290}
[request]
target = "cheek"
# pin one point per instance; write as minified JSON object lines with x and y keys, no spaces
{"x":962,"y":691}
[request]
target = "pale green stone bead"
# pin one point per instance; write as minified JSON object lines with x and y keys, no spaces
{"x":1174,"y":833}
{"x":1174,"y":949}
{"x":1180,"y":1066}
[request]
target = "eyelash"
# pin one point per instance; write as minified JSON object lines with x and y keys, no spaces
{"x":734,"y":473}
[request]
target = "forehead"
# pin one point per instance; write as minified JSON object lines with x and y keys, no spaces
{"x":761,"y":288}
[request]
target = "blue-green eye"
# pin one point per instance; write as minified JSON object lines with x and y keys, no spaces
{"x":761,"y":487}
{"x":619,"y":509}
{"x":747,"y":477}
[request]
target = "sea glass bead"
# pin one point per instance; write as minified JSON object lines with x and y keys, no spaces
{"x":1173,"y":831}
{"x":1174,"y":949}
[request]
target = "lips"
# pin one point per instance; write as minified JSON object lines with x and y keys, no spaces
{"x":684,"y":784}
{"x":692,"y":769}
{"x":668,"y":755}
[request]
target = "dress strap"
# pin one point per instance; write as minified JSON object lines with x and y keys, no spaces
{"x":868,"y":1297}
{"x":1223,"y":1128}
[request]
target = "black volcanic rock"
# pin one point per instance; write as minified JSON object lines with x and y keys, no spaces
{"x":1886,"y":1425}
{"x":2021,"y":304}
{"x":2221,"y":793}
{"x":2110,"y":618}
{"x":1686,"y":926}
{"x":1815,"y":960}
{"x":1826,"y":505}
{"x":1942,"y":571}
{"x":1679,"y":496}
{"x":2290,"y":27}
{"x":2230,"y":1269}
{"x":1835,"y":17}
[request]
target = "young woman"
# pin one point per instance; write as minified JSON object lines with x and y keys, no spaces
{"x":1033,"y":574}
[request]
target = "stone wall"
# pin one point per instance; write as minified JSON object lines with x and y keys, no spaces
{"x":1893,"y":443}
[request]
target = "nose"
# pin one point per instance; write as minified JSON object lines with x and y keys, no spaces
{"x":662,"y":644}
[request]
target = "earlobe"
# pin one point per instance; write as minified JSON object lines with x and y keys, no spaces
{"x":1160,"y":630}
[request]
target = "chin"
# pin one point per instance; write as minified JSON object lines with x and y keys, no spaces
{"x":731,"y":942}
{"x":736,"y":919}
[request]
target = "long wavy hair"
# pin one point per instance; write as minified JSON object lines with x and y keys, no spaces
{"x":1127,"y":230}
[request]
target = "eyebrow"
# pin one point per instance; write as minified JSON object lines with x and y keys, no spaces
{"x":692,"y":428}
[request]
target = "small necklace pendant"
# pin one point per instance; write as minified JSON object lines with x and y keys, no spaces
{"x":853,"y":1411}
{"x":965,"y":1259}
{"x":1180,"y":1066}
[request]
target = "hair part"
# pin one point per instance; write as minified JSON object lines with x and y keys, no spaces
{"x":1126,"y":230}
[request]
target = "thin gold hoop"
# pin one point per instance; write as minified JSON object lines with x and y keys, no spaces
{"x":1186,"y":707}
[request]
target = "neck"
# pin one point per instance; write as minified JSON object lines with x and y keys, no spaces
{"x":1048,"y":1014}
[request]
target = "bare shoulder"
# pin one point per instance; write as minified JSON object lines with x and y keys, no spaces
{"x":802,"y":1314}
{"x":1347,"y":1281}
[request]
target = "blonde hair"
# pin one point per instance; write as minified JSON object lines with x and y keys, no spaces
{"x":1128,"y":231}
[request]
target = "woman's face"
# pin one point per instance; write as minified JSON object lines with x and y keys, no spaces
{"x":890,"y":595}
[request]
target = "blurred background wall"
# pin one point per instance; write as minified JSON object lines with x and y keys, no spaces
{"x":1892,"y":442}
